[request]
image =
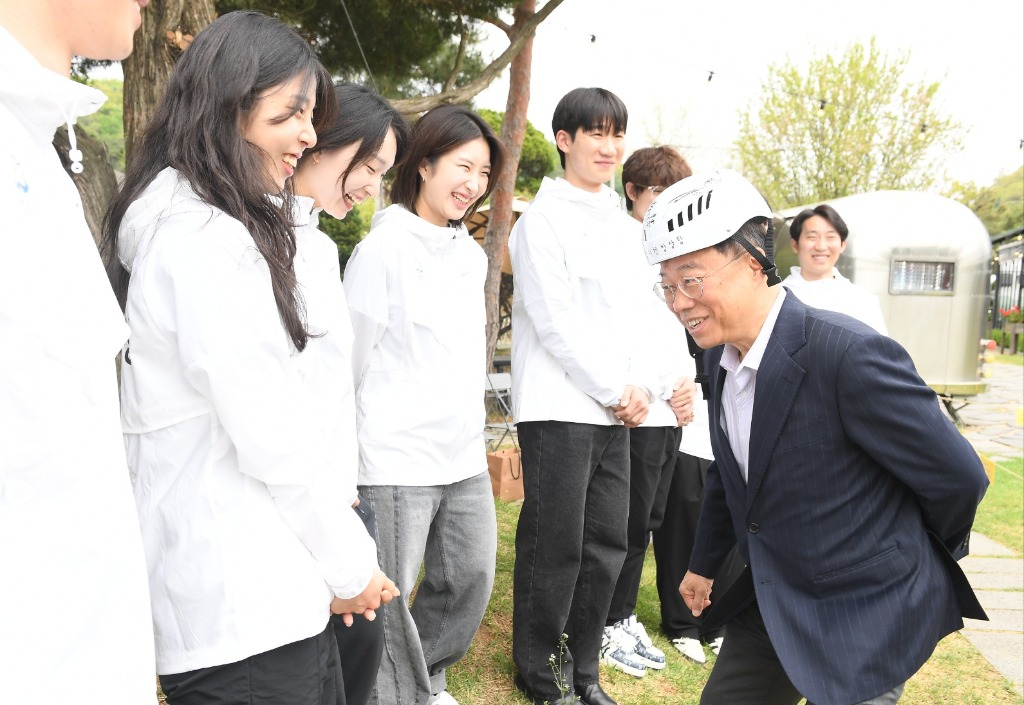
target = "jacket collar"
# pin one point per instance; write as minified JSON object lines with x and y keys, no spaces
{"x":39,"y":98}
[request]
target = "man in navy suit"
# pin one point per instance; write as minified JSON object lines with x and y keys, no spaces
{"x":847,"y":490}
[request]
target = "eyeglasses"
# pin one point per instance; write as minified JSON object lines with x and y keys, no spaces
{"x":653,"y":189}
{"x":691,"y":287}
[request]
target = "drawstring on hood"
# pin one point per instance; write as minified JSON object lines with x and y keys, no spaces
{"x":74,"y":154}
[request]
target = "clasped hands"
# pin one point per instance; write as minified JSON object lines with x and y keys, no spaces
{"x":632,"y":407}
{"x":684,"y":396}
{"x":634,"y":404}
{"x":380,"y":591}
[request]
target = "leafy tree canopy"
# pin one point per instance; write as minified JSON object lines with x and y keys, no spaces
{"x":410,"y":46}
{"x":538,"y":159}
{"x":999,"y":206}
{"x":349,"y":232}
{"x":842,"y":126}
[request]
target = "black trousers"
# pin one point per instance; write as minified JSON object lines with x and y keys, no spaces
{"x":361,"y":646}
{"x":570,"y":543}
{"x":652,"y":462}
{"x":305,"y":672}
{"x":673,"y":543}
{"x":748,"y":671}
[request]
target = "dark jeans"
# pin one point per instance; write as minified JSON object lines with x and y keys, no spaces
{"x":305,"y":672}
{"x":570,"y":544}
{"x":652,"y":462}
{"x":360,"y":646}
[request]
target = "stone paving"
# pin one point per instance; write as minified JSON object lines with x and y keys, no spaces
{"x":994,"y":427}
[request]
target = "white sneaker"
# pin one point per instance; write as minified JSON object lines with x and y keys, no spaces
{"x":690,"y":648}
{"x":652,"y":656}
{"x":442,"y":698}
{"x":716,"y":645}
{"x":618,"y":650}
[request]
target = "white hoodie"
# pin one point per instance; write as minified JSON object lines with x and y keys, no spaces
{"x":239,"y":479}
{"x":416,"y":294}
{"x":579,"y":308}
{"x":74,"y":605}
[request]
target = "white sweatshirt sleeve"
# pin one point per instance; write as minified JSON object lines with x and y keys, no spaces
{"x":563,"y":327}
{"x":366,"y":288}
{"x":235,"y":352}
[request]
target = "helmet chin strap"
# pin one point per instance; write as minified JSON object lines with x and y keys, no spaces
{"x":697,"y":353}
{"x":766,"y":262}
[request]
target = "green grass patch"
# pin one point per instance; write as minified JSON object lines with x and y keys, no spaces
{"x":1017,"y":359}
{"x":1001,"y":514}
{"x":956,"y":672}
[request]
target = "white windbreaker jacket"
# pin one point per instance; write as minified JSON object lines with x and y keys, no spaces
{"x":579,"y":308}
{"x":74,"y":606}
{"x":416,"y":294}
{"x":239,"y":479}
{"x":327,"y":360}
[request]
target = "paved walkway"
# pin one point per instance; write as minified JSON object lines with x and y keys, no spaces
{"x":994,"y":427}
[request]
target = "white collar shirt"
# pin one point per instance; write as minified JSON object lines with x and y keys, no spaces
{"x":739,"y":387}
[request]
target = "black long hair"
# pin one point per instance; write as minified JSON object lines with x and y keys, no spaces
{"x":438,"y":132}
{"x":197,"y":130}
{"x":363,"y":117}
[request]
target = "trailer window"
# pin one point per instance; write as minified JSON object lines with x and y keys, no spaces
{"x":912,"y":277}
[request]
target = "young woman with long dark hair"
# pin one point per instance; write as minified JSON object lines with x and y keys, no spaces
{"x":234,"y":465}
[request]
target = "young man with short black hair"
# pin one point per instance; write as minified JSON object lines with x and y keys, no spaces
{"x":578,"y":382}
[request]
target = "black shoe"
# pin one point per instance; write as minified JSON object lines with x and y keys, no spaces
{"x":538,"y":700}
{"x":593,"y":695}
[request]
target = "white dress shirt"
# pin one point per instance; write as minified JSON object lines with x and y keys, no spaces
{"x":740,"y":383}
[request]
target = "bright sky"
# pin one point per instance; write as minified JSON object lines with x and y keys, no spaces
{"x":657,"y":54}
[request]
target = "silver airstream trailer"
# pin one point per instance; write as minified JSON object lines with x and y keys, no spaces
{"x":927,"y":259}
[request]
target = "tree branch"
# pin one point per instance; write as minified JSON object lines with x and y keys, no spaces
{"x":497,"y":22}
{"x":457,"y":64}
{"x":414,"y":106}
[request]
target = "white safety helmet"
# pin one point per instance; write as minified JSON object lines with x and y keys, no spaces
{"x":698,"y":212}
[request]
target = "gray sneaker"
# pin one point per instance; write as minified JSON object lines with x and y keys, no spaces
{"x":618,"y":650}
{"x":646,"y":651}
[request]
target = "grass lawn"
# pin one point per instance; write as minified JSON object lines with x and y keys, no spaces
{"x":1001,"y":514}
{"x":956,"y":673}
{"x":1017,"y":359}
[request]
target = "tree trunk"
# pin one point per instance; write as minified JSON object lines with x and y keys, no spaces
{"x":97,"y":184}
{"x":513,"y":130}
{"x":167,"y":28}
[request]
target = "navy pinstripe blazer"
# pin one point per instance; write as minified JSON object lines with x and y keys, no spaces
{"x":861,"y":495}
